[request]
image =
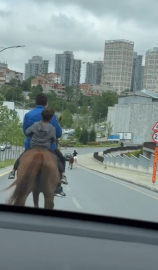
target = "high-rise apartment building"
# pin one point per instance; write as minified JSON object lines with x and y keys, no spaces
{"x":36,"y":66}
{"x":75,"y":69}
{"x":94,"y":72}
{"x":136,"y":83}
{"x":68,"y":67}
{"x":142,"y":79}
{"x":151,"y":70}
{"x":3,"y":65}
{"x":117,"y":65}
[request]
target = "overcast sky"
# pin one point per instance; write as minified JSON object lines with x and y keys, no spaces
{"x":47,"y":27}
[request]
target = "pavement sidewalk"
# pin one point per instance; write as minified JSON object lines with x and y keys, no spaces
{"x":137,"y":178}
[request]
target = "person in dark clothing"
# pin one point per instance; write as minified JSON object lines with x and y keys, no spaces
{"x":43,"y":134}
{"x":35,"y":116}
{"x":75,"y":153}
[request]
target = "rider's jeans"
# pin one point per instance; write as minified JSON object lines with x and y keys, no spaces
{"x":61,"y":157}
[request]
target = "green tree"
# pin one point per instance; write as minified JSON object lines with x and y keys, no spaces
{"x":26,"y":84}
{"x":14,"y":94}
{"x":69,"y":93}
{"x":71,"y":107}
{"x":109,"y":128}
{"x":14,"y":82}
{"x":78,"y":132}
{"x":51,"y":96}
{"x":100,"y":104}
{"x":92,"y":135}
{"x":1,"y":98}
{"x":84,"y":136}
{"x":84,"y":110}
{"x":11,"y":128}
{"x":67,"y":119}
{"x":35,"y":90}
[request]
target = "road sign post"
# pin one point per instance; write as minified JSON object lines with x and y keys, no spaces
{"x":155,"y":139}
{"x":155,"y":164}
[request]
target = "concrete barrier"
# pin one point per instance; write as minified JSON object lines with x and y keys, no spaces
{"x":142,"y":163}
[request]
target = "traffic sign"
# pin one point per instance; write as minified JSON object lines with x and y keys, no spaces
{"x":155,"y":126}
{"x":155,"y":137}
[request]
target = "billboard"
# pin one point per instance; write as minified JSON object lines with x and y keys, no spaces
{"x":127,"y":136}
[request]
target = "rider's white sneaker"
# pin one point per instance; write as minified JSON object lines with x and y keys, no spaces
{"x":63,"y":180}
{"x":61,"y":194}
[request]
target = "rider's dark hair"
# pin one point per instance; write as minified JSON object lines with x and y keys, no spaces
{"x":47,"y":114}
{"x":41,"y":99}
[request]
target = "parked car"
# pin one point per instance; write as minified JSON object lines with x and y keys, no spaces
{"x":8,"y":145}
{"x":2,"y":147}
{"x":66,"y":131}
{"x":98,"y":135}
{"x":71,"y":133}
{"x":67,"y":156}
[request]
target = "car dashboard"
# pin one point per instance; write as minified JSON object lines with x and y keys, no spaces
{"x":42,"y":239}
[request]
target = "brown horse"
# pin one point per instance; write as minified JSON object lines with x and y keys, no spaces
{"x":37,"y":172}
{"x":71,"y":162}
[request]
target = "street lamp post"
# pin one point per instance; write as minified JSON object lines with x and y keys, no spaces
{"x":23,"y":105}
{"x":19,"y":46}
{"x":99,"y":117}
{"x":88,"y":119}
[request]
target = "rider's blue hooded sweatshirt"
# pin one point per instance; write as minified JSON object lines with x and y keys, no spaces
{"x":35,"y":116}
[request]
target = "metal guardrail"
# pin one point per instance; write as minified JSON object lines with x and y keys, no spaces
{"x":10,"y":154}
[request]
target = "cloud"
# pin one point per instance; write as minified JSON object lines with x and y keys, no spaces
{"x":4,"y":13}
{"x":48,"y":27}
{"x":140,"y":11}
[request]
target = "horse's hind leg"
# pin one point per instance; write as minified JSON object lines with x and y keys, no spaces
{"x":36,"y":198}
{"x":49,"y":201}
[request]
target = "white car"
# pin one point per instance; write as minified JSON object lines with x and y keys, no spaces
{"x":98,"y":135}
{"x":2,"y":147}
{"x":66,"y":131}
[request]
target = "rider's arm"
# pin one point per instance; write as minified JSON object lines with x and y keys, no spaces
{"x":25,"y":123}
{"x":57,"y":126}
{"x":53,"y":139}
{"x":29,"y":131}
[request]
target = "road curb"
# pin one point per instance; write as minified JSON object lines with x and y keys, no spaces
{"x":122,"y":179}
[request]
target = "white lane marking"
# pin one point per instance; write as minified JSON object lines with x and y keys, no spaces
{"x":68,"y":189}
{"x":76,"y":203}
{"x":118,"y":182}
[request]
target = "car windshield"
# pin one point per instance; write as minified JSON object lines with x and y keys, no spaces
{"x":83,"y":76}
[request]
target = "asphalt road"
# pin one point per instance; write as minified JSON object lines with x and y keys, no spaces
{"x":91,"y":192}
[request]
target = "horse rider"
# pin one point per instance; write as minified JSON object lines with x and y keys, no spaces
{"x":75,"y":153}
{"x":35,"y":116}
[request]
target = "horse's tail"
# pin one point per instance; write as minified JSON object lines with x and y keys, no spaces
{"x":27,"y":179}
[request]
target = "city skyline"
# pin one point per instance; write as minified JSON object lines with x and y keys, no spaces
{"x":62,"y":27}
